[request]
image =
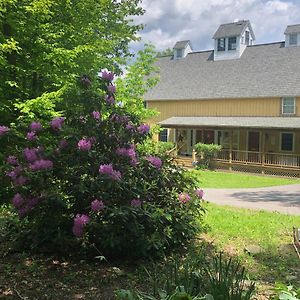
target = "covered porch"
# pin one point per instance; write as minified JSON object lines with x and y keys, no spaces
{"x":269,"y":145}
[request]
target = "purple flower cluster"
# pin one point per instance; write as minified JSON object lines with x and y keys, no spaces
{"x":96,"y":115}
{"x":110,"y":172}
{"x":84,"y":144}
{"x":119,"y":119}
{"x":110,"y":100}
{"x":57,"y":123}
{"x":111,"y":88}
{"x":129,"y":152}
{"x":80,"y":221}
{"x":143,"y":129}
{"x":136,"y":203}
{"x":15,"y":173}
{"x":184,"y":198}
{"x":30,"y":154}
{"x":31,"y":136}
{"x":12,"y":160}
{"x":97,"y":205}
{"x":62,"y":144}
{"x":24,"y":206}
{"x":41,"y":164}
{"x":155,"y":161}
{"x":199,"y":193}
{"x":107,"y":76}
{"x":36,"y":126}
{"x":4,"y":130}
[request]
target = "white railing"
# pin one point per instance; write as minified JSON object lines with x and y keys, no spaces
{"x":252,"y":157}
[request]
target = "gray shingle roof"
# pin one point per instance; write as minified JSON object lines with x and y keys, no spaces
{"x":232,"y":29}
{"x":269,"y":70}
{"x":234,"y":122}
{"x":292,"y":29}
{"x":181,"y":44}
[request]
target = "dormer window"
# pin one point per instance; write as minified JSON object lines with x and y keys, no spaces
{"x":247,"y":37}
{"x":293,"y":39}
{"x":232,"y":43}
{"x":221,"y":44}
{"x":179,"y":53}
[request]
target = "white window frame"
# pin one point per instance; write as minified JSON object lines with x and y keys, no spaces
{"x":166,"y":131}
{"x":280,"y":144}
{"x":235,"y":44}
{"x":283,"y":106}
{"x":295,"y":35}
{"x":219,"y":42}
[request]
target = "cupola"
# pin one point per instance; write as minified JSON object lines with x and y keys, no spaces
{"x":232,"y":39}
{"x":292,"y":35}
{"x":181,"y":49}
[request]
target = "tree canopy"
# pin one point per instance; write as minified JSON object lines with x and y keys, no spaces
{"x":46,"y":44}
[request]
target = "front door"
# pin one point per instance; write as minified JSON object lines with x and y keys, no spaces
{"x":253,"y":146}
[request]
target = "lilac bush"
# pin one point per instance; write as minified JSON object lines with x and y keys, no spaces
{"x":79,"y":179}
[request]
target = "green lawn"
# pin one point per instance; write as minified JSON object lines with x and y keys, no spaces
{"x":233,"y":230}
{"x":214,"y":179}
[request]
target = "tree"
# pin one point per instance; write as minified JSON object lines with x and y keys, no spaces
{"x":46,"y":44}
{"x":166,"y":52}
{"x":139,"y":78}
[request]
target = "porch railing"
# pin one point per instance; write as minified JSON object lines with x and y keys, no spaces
{"x":265,"y":159}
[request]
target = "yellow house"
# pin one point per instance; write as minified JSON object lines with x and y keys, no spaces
{"x":242,"y":96}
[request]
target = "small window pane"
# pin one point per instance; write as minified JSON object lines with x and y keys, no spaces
{"x":247,"y":37}
{"x":232,"y":43}
{"x":288,"y":105}
{"x":163,"y":135}
{"x":287,"y":141}
{"x":221,"y":44}
{"x":293,"y":39}
{"x":179,"y":53}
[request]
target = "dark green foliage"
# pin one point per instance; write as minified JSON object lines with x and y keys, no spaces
{"x":206,"y":153}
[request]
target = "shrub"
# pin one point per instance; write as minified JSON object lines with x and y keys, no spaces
{"x":81,"y":184}
{"x":206,"y":153}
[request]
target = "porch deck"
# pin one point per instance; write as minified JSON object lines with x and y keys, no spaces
{"x":256,"y":162}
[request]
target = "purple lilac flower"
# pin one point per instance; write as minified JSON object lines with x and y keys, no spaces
{"x":154,"y":161}
{"x":143,"y":129}
{"x":19,"y":181}
{"x":18,"y":200}
{"x":4,"y":130}
{"x":41,"y":164}
{"x":35,"y":126}
{"x":136,"y":203}
{"x":96,"y":115}
{"x":110,"y":172}
{"x":199,"y":193}
{"x":31,"y":136}
{"x":184,"y":198}
{"x":130,"y":127}
{"x":107,"y":76}
{"x":12,"y":160}
{"x":57,"y":123}
{"x":129,"y":152}
{"x":134,"y":162}
{"x":33,"y":202}
{"x":111,"y":88}
{"x":30,"y":154}
{"x":79,"y":223}
{"x":92,"y":139}
{"x":110,"y":100}
{"x":15,"y":172}
{"x":97,"y":205}
{"x":63,"y":144}
{"x":23,"y":211}
{"x":84,"y":145}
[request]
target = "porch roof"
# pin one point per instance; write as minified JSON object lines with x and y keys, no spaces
{"x":234,"y":122}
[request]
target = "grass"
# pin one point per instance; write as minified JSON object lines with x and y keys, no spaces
{"x":234,"y":230}
{"x":214,"y":179}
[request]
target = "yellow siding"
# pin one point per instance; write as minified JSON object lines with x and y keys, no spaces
{"x":260,"y":107}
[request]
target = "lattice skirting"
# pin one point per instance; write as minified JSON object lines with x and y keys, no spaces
{"x":284,"y":172}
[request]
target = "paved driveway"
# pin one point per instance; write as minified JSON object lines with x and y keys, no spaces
{"x":284,"y":199}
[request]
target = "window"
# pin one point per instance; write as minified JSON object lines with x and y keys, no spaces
{"x":287,"y":141}
{"x":288,"y":105}
{"x":179,"y":53}
{"x":163,"y":135}
{"x":221,"y":44}
{"x":232,"y":43}
{"x":293,"y":39}
{"x":247,"y":37}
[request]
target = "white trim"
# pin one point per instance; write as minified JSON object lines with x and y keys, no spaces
{"x":280,"y":141}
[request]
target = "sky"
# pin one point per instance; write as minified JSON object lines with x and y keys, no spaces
{"x":169,"y":21}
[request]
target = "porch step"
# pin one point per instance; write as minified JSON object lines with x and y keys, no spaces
{"x":184,"y":161}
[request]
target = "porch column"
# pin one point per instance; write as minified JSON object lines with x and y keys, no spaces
{"x":230,"y":149}
{"x":263,"y":156}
